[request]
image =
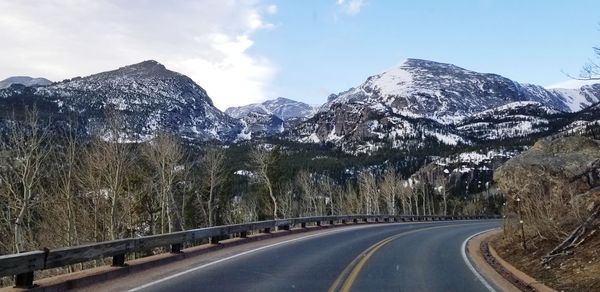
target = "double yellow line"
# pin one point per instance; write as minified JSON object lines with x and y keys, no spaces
{"x":348,"y":276}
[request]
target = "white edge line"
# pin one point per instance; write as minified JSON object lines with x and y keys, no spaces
{"x":242,"y":254}
{"x":463,"y":250}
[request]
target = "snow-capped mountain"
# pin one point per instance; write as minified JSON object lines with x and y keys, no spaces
{"x":271,"y":117}
{"x":24,"y":80}
{"x":281,"y":107}
{"x":444,"y":92}
{"x":422,"y":99}
{"x":146,"y":96}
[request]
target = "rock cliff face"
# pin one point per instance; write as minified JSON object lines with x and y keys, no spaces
{"x":557,"y":182}
{"x":564,"y":167}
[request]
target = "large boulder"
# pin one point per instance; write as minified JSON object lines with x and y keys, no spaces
{"x":557,"y":181}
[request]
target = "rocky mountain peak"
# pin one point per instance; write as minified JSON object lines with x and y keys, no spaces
{"x":147,"y":67}
{"x":147,"y":95}
{"x":24,"y":80}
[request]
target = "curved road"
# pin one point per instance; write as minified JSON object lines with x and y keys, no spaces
{"x":382,"y":257}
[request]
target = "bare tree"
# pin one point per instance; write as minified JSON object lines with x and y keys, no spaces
{"x":328,"y":189}
{"x":263,"y":160}
{"x":286,"y":200}
{"x":107,"y":161}
{"x":350,"y":201}
{"x":390,"y":188}
{"x":66,"y":182}
{"x":213,"y":162}
{"x":369,"y":192}
{"x":165,"y":155}
{"x":25,"y":153}
{"x":591,"y":70}
{"x":312,"y":193}
{"x":440,"y":184}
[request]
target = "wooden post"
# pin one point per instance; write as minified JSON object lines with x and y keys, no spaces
{"x":24,"y":281}
{"x":176,"y":248}
{"x":118,"y":260}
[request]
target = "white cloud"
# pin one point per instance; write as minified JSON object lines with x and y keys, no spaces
{"x":350,"y":7}
{"x":272,"y":9}
{"x":206,"y":40}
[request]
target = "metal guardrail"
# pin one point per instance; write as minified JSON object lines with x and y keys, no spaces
{"x":23,"y":265}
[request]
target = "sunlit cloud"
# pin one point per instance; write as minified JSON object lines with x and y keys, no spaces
{"x":350,"y":7}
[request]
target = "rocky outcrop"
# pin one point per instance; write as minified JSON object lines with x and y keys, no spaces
{"x":557,"y":183}
{"x":563,"y":167}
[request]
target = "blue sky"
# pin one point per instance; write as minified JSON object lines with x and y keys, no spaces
{"x":319,"y":47}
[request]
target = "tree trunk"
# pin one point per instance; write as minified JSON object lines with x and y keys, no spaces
{"x":273,"y":200}
{"x":18,"y":229}
{"x":210,"y":203}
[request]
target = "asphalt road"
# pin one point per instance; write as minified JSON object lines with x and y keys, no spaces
{"x":382,"y":257}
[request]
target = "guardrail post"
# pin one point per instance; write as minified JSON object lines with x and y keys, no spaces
{"x":318,"y":223}
{"x":285,"y":227}
{"x":267,"y":230}
{"x":244,"y":234}
{"x":118,"y":260}
{"x":303,"y":224}
{"x":386,"y":220}
{"x":24,"y":280}
{"x":343,"y":221}
{"x":215,"y":239}
{"x":176,"y":248}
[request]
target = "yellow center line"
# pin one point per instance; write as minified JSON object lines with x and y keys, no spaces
{"x":354,"y":268}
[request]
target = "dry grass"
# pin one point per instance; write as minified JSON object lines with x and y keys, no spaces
{"x":577,"y":272}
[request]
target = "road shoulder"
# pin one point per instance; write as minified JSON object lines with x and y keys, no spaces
{"x":491,"y":274}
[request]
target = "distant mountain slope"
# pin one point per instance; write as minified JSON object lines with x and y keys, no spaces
{"x":283,"y":108}
{"x":24,"y":80}
{"x":580,"y":98}
{"x":271,"y":117}
{"x":146,"y":95}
